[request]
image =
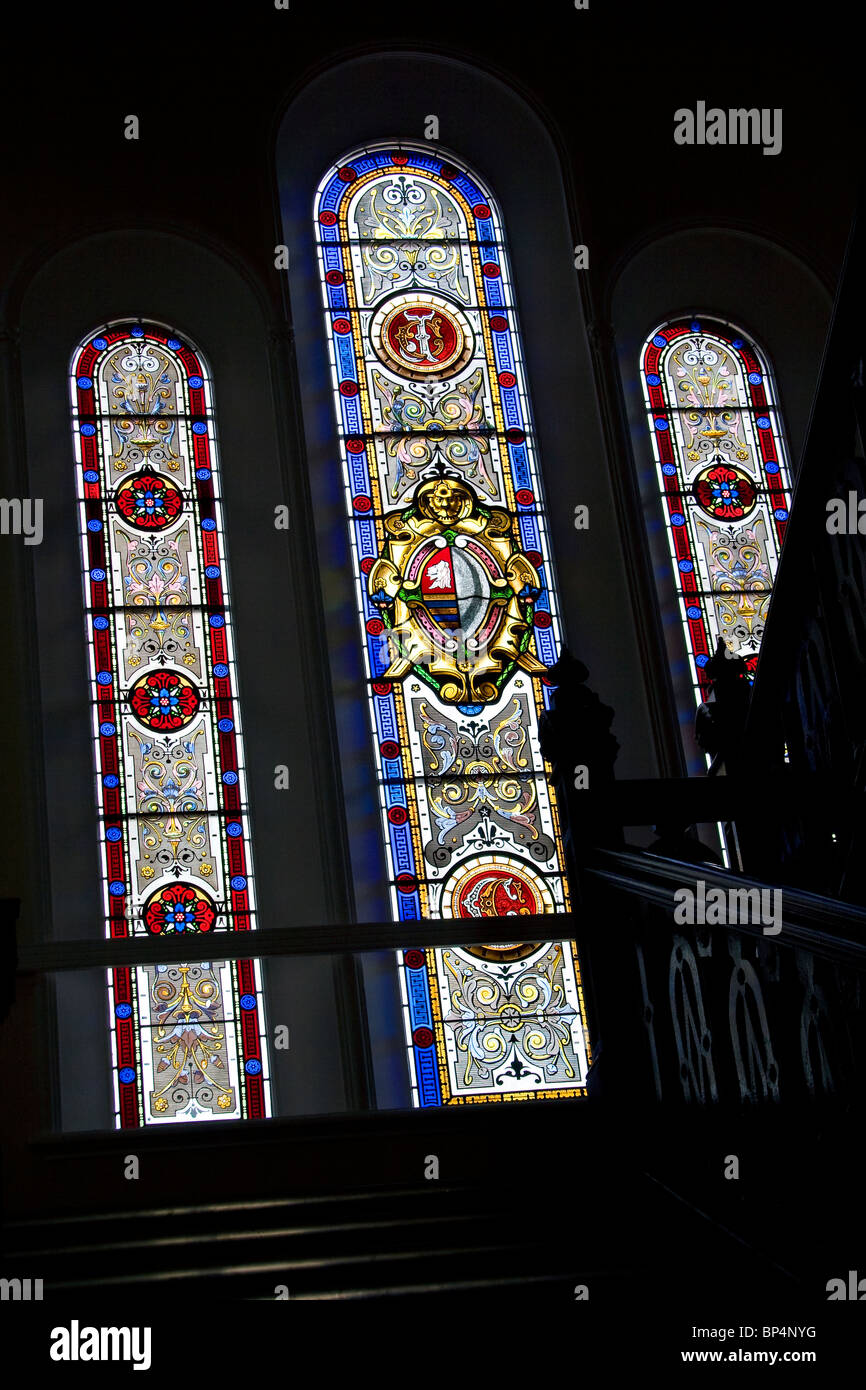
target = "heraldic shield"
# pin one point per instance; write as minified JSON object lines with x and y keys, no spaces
{"x":456,"y":594}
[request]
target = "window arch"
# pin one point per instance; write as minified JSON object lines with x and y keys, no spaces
{"x":457,"y":604}
{"x":723,"y":479}
{"x":187,"y":1040}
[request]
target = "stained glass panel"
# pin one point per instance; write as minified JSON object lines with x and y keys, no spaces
{"x":187,"y":1041}
{"x":724,"y":481}
{"x":458,"y":614}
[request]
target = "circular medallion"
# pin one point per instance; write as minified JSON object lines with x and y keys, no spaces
{"x":178,"y":908}
{"x":495,"y":891}
{"x":164,"y":700}
{"x":497,"y":886}
{"x":724,"y":491}
{"x":421,"y":336}
{"x":148,"y":501}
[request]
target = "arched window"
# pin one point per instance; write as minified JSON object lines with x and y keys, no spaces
{"x":457,"y":606}
{"x":173,"y":817}
{"x":724,"y":482}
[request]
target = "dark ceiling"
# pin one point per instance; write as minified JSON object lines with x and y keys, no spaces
{"x":209,"y":83}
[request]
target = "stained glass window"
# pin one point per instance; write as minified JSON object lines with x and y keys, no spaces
{"x":458,"y":614}
{"x":187,"y":1041}
{"x":724,"y":482}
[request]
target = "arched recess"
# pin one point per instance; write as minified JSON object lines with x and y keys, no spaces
{"x":781,"y":305}
{"x":486,"y":126}
{"x":204,"y":299}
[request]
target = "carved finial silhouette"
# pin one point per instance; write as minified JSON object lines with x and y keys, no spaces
{"x":720,"y":723}
{"x":679,"y":841}
{"x":576,"y":728}
{"x":575,"y":733}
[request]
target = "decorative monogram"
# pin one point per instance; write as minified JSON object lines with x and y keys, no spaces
{"x":421,"y":336}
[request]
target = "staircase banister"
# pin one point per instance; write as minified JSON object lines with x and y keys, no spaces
{"x":833,"y":930}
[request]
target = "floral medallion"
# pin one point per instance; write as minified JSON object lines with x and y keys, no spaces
{"x":178,"y":908}
{"x":148,"y":501}
{"x":725,"y":492}
{"x":164,"y":700}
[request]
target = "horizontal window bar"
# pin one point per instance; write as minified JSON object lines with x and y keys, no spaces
{"x":445,"y":433}
{"x":405,"y":502}
{"x":688,"y":594}
{"x":410,"y":241}
{"x":473,"y":306}
{"x":734,"y":408}
{"x":215,"y":813}
{"x":199,"y":416}
{"x":433,"y":779}
{"x":278,"y":941}
{"x":176,"y":609}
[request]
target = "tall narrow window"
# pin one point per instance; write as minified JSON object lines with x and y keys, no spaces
{"x":724,"y":482}
{"x":187,"y":1040}
{"x":458,"y":613}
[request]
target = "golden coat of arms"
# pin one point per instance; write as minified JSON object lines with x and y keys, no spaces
{"x":456,"y":594}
